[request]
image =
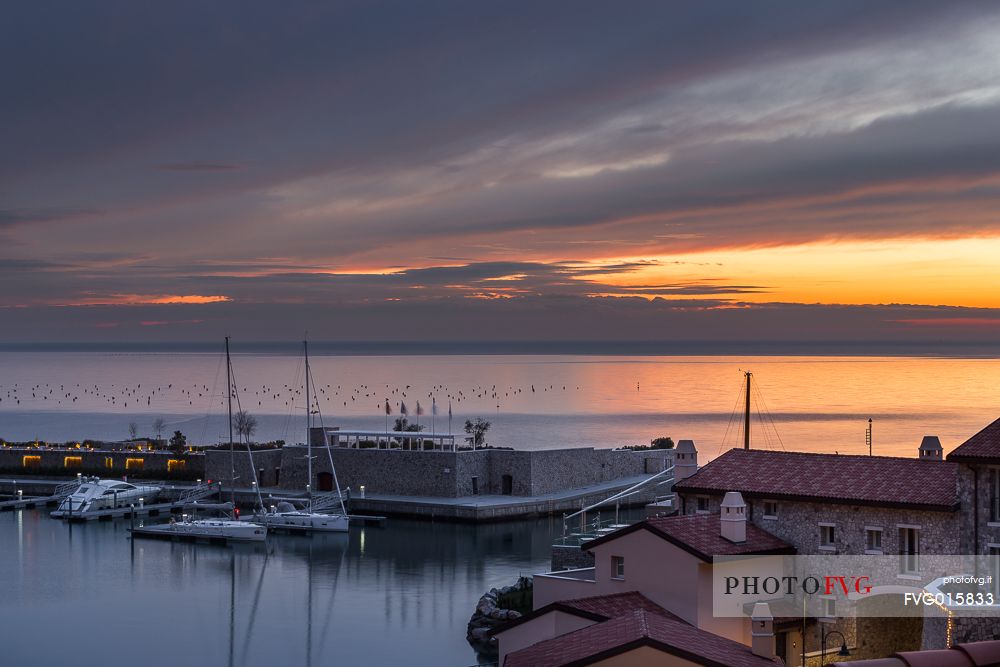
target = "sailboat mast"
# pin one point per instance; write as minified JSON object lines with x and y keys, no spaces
{"x":746,"y":415}
{"x":309,"y":458}
{"x":232,"y":449}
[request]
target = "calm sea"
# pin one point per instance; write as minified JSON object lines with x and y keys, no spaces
{"x":533,"y":401}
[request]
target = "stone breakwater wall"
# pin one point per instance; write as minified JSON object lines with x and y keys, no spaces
{"x":447,"y":474}
{"x":266,"y":464}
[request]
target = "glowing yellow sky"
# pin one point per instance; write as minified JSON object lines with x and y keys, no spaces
{"x":958,"y":272}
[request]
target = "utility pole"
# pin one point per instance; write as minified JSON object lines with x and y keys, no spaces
{"x":746,"y":414}
{"x":868,"y":436}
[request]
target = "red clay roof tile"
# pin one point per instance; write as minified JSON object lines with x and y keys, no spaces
{"x":850,"y":479}
{"x":616,"y":604}
{"x":984,"y":445}
{"x":630,"y":631}
{"x":701,"y":535}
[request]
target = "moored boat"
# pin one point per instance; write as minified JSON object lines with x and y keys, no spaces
{"x":285,"y":516}
{"x":99,"y":494}
{"x":228,"y":529}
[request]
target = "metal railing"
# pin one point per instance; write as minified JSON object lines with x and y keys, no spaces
{"x":66,"y":488}
{"x":590,"y":530}
{"x":324,"y":501}
{"x":198,"y":492}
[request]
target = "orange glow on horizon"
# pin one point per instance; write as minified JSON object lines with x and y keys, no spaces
{"x":146,"y":300}
{"x":958,"y":272}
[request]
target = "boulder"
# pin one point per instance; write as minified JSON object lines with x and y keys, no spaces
{"x":479,"y":634}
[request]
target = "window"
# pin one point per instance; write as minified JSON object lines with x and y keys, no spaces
{"x":176,"y":465}
{"x":873,"y":540}
{"x":72,"y":462}
{"x":827,"y":536}
{"x":770,"y":509}
{"x":703,"y":504}
{"x":909,"y":550}
{"x":995,"y":494}
{"x":134,"y":464}
{"x":31,"y":461}
{"x":829,"y":608}
{"x":617,"y":567}
{"x":109,"y":462}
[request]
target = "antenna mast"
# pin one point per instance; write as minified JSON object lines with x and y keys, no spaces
{"x":309,"y":458}
{"x":232,"y":451}
{"x":868,"y":436}
{"x":746,"y":414}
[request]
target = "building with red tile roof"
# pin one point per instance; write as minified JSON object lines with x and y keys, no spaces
{"x":789,"y":502}
{"x":635,"y":637}
{"x":876,"y":481}
{"x":701,"y":536}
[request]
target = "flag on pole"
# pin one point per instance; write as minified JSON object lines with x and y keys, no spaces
{"x":402,"y":409}
{"x":420,"y":410}
{"x":388,"y":411}
{"x":434,"y":411}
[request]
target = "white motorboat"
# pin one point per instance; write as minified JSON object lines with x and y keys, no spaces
{"x":285,"y":516}
{"x":213,"y":529}
{"x":99,"y":494}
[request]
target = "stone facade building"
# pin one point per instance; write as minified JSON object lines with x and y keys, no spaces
{"x":443,"y":474}
{"x":979,"y":459}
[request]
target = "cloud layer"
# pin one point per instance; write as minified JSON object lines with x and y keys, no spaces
{"x":444,"y":156}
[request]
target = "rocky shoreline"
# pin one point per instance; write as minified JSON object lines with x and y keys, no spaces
{"x":489,"y":615}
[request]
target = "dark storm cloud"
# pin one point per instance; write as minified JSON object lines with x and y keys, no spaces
{"x":95,"y":77}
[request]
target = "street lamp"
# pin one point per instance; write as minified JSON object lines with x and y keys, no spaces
{"x":843,"y":652}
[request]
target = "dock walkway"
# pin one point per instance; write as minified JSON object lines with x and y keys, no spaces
{"x":57,"y":495}
{"x":486,"y":508}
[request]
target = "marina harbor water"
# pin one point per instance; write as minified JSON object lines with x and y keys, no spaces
{"x":416,"y":582}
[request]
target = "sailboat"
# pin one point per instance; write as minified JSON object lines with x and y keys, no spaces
{"x":285,"y":515}
{"x":227,"y":528}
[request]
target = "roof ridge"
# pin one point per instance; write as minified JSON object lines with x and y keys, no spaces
{"x":830,"y":454}
{"x":606,"y":595}
{"x":643,"y":624}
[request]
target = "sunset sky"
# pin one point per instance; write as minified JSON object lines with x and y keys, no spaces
{"x":677,"y":171}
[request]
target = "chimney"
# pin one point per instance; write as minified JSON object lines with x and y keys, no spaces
{"x":762,"y":631}
{"x":930,"y":448}
{"x":734,"y":517}
{"x":685,"y":460}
